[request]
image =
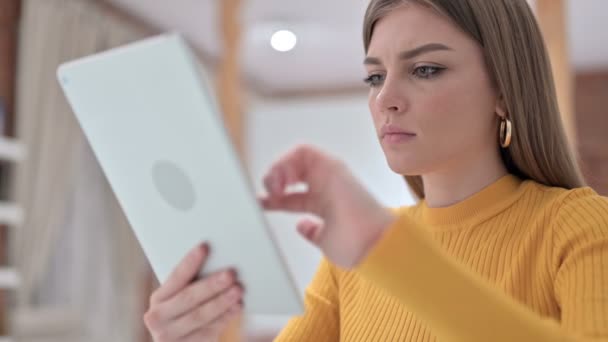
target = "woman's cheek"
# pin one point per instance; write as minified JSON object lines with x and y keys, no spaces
{"x":375,"y":112}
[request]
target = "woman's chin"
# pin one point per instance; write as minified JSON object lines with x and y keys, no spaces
{"x":403,"y":167}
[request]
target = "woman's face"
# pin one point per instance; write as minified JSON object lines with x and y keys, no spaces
{"x":431,"y":98}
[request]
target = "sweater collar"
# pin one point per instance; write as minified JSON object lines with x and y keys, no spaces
{"x":486,"y":201}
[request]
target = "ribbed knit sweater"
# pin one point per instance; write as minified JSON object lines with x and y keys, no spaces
{"x":517,"y":261}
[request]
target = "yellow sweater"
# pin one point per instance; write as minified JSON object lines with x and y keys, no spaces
{"x":518,"y":261}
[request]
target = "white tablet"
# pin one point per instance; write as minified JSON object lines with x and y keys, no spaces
{"x":160,"y":140}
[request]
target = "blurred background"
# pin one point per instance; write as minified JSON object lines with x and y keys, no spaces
{"x":286,"y":72}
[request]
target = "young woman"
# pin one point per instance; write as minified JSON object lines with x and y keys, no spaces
{"x":505,"y":244}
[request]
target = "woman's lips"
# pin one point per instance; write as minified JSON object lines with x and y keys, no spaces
{"x":398,"y":138}
{"x":395,"y":135}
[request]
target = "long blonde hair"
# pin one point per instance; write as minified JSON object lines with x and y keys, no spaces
{"x":517,"y":61}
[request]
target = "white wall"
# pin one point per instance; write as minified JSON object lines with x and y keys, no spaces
{"x":341,"y":126}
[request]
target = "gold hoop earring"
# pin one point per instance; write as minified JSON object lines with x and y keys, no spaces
{"x":506,"y":132}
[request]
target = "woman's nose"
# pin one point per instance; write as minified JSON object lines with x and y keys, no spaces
{"x":391,"y":99}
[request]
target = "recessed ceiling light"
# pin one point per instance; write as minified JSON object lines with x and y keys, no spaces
{"x":283,"y":40}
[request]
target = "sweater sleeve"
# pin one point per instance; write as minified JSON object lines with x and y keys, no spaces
{"x":459,"y":305}
{"x":580,"y":240}
{"x":320,"y":321}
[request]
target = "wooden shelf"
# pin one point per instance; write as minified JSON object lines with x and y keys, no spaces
{"x":9,"y":279}
{"x":11,"y":149}
{"x":11,"y":214}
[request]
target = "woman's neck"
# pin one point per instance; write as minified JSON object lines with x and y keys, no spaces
{"x":462,"y":179}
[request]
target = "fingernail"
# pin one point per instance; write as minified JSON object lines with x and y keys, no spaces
{"x":225,"y":278}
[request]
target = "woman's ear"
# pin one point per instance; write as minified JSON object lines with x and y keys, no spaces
{"x":501,"y":108}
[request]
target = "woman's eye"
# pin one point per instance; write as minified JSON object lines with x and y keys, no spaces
{"x":374,"y":80}
{"x":427,"y":71}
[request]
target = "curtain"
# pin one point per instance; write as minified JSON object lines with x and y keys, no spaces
{"x":81,"y":267}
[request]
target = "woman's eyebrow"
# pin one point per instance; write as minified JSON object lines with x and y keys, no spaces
{"x":409,"y":54}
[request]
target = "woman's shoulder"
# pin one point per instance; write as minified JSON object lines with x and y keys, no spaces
{"x":575,"y":215}
{"x":582,"y":206}
{"x":580,"y":198}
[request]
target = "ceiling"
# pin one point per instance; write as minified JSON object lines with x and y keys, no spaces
{"x":329,"y":51}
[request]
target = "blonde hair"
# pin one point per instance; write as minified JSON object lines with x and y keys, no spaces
{"x":517,"y":61}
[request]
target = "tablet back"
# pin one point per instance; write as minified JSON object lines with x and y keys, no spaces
{"x":162,"y":145}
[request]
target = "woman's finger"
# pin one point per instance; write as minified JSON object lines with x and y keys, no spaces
{"x":296,"y":202}
{"x":310,"y":230}
{"x":272,"y":181}
{"x":216,"y":327}
{"x":206,"y":313}
{"x":302,"y":164}
{"x":183,"y":274}
{"x":197,"y":293}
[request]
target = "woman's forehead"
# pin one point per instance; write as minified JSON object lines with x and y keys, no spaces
{"x":412,"y":25}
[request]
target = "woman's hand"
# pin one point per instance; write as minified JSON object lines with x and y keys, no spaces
{"x":183,"y":310}
{"x":352,"y":220}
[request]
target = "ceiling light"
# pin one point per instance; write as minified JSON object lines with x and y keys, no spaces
{"x":283,"y":40}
